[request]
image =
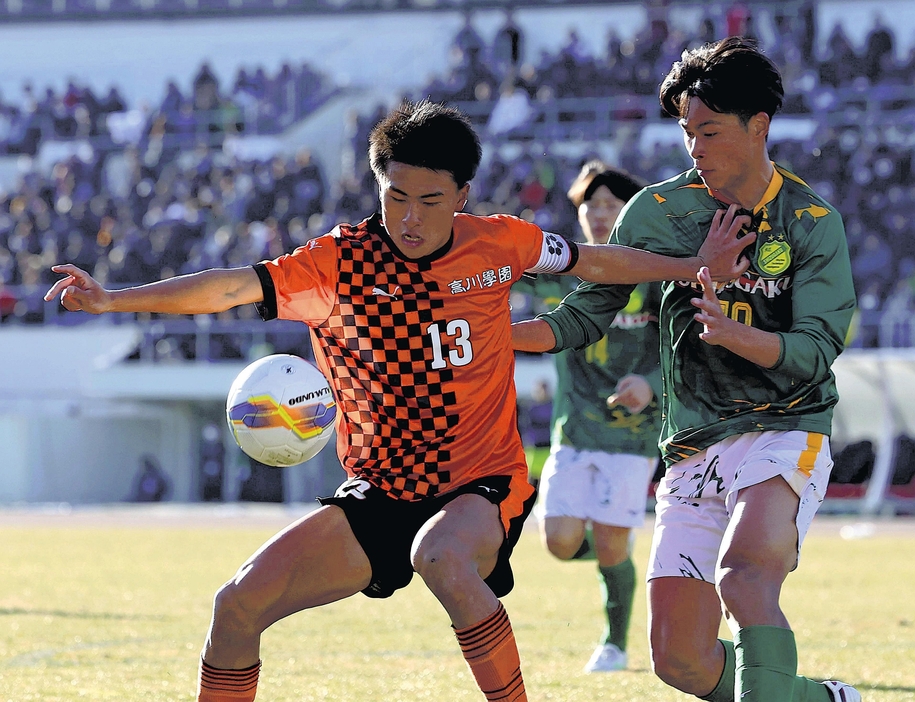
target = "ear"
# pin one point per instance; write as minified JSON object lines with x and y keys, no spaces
{"x":462,"y":197}
{"x":759,"y":125}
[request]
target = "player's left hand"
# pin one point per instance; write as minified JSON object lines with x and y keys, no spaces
{"x":716,"y":326}
{"x":722,"y":252}
{"x":632,"y":392}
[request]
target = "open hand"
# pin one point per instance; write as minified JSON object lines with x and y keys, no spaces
{"x":78,"y":290}
{"x":722,"y":250}
{"x":632,"y":392}
{"x":715,"y":324}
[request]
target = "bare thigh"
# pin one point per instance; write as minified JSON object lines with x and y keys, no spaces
{"x":312,"y":562}
{"x":759,"y":549}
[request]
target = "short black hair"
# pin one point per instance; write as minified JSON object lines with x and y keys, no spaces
{"x":427,"y":135}
{"x":731,"y":76}
{"x":595,"y":174}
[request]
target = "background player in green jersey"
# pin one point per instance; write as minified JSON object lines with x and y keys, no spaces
{"x":605,"y":424}
{"x":748,"y":390}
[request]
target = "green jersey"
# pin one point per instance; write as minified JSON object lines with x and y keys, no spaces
{"x":799,"y":286}
{"x":586,"y":377}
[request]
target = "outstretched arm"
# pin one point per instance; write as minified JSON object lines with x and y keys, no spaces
{"x":721,"y":253}
{"x":533,"y":335}
{"x":207,"y":292}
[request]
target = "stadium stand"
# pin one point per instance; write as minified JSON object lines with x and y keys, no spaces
{"x":139,"y":198}
{"x":210,"y":175}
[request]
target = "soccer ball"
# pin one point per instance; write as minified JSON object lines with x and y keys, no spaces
{"x":281,"y":410}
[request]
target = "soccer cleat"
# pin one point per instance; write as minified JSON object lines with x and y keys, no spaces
{"x":606,"y":659}
{"x":842,"y":692}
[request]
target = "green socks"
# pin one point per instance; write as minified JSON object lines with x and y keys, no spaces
{"x":766,"y":669}
{"x":618,"y":586}
{"x":724,"y":690}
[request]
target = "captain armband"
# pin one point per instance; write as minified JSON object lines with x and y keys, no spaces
{"x":557,"y":255}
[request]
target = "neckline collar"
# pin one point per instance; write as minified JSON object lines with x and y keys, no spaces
{"x":376,"y":226}
{"x":772,"y":190}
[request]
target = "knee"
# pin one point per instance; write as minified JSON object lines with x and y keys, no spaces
{"x":562,"y":537}
{"x":562,"y":545}
{"x":679,"y":667}
{"x":439,"y":564}
{"x":234,"y":608}
{"x":749,"y":592}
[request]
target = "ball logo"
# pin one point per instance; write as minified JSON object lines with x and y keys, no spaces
{"x":309,"y":396}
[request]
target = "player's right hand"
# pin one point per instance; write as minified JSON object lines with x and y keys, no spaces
{"x":79,"y":291}
{"x":724,"y":251}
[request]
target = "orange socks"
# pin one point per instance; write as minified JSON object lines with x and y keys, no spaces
{"x":217,"y":685}
{"x":490,"y":650}
{"x":488,"y":647}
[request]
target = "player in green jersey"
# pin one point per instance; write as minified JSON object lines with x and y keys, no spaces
{"x":605,"y":424}
{"x":748,"y":390}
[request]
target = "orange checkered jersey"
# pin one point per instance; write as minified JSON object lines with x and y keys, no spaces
{"x":418,"y":351}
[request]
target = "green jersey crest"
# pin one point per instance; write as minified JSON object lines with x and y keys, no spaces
{"x":774,"y":255}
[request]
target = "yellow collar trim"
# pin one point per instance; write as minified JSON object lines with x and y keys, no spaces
{"x":775,"y":185}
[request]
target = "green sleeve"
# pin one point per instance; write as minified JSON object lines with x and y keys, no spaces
{"x":585,"y":314}
{"x":651,"y":366}
{"x":654,"y":380}
{"x":823,"y":302}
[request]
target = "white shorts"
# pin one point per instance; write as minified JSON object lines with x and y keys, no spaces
{"x":697,"y":495}
{"x":607,"y":488}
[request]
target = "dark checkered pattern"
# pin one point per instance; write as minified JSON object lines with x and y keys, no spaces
{"x":376,"y":346}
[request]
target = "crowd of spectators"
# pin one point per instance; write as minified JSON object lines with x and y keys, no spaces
{"x":161,"y":206}
{"x":256,"y":103}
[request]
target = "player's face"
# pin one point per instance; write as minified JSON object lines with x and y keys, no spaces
{"x":598,"y":214}
{"x":418,"y":206}
{"x":726,"y":152}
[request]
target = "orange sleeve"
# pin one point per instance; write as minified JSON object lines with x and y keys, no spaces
{"x":304,"y":282}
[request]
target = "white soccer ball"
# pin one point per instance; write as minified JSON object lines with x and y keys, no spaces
{"x":281,"y":410}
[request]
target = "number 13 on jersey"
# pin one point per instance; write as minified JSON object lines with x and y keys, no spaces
{"x":457,"y":335}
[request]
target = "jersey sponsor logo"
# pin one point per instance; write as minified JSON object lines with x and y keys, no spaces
{"x":484,"y":279}
{"x":632,"y":316}
{"x":774,"y":255}
{"x":632,"y":321}
{"x":749,"y":282}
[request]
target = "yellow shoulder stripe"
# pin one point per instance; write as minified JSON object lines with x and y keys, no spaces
{"x":814,"y":211}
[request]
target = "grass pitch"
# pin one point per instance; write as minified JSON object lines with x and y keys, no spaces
{"x":113,"y":605}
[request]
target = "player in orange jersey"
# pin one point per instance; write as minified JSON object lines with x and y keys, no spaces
{"x":410,"y":321}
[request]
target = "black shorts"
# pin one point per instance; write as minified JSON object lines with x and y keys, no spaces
{"x":385,"y":528}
